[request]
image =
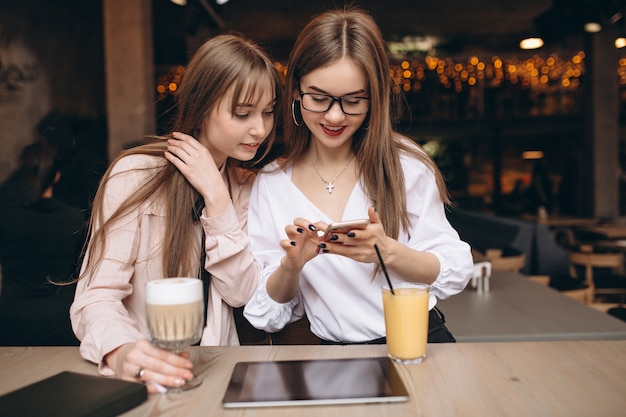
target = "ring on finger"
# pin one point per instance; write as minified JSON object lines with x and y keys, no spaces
{"x":139,"y":373}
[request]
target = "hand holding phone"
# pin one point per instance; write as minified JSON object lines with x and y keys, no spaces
{"x":344,"y":227}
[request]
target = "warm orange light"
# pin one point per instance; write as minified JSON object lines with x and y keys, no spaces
{"x":531,"y":43}
{"x":592,"y":27}
{"x":532,"y":155}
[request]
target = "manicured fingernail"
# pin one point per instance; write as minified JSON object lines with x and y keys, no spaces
{"x":334,"y":237}
{"x":321,"y":245}
{"x":292,"y":243}
{"x":325,"y":251}
{"x":179,"y":382}
{"x":312,"y":228}
{"x":351,"y":234}
{"x":157,"y":386}
{"x":299,"y":230}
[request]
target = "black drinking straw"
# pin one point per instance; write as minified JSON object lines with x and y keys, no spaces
{"x":382,"y":265}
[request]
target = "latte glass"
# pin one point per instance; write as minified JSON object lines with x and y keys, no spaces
{"x":175,"y":315}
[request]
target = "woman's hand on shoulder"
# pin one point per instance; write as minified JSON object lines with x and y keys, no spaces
{"x":196,"y":163}
{"x":143,"y":362}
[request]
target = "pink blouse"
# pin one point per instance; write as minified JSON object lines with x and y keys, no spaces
{"x":108,"y":309}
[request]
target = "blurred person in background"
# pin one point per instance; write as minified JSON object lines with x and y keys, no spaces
{"x":40,"y":243}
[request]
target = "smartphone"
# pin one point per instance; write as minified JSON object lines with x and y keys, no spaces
{"x":344,"y":227}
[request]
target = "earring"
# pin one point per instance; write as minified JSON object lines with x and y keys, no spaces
{"x":293,"y":113}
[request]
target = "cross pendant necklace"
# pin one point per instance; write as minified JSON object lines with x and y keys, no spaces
{"x":330,"y":185}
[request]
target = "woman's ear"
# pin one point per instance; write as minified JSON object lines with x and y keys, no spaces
{"x":295,"y":91}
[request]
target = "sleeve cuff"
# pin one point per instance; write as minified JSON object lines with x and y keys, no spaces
{"x":221,"y":224}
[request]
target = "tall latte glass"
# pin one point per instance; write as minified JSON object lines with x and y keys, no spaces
{"x":174,"y":314}
{"x":406,"y":321}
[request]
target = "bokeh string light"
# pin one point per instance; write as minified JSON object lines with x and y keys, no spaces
{"x":536,"y":73}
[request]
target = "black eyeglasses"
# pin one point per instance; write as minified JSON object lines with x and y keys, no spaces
{"x":321,"y":103}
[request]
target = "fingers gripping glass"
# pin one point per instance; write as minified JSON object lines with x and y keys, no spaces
{"x":321,"y":103}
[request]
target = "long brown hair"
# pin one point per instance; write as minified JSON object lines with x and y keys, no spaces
{"x":223,"y":62}
{"x":352,"y":33}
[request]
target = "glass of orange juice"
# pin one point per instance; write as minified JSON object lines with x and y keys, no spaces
{"x":406,"y":321}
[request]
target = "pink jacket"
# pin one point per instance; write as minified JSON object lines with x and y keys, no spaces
{"x":108,"y":309}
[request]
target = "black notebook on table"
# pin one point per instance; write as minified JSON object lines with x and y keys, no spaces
{"x":71,"y":394}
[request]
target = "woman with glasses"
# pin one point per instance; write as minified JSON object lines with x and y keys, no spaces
{"x":344,"y":161}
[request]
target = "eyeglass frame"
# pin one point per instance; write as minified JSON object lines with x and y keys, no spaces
{"x":333,"y":100}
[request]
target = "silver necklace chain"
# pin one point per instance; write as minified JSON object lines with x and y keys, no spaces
{"x":330,"y":184}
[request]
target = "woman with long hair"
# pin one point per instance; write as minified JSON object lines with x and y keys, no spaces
{"x":344,"y":161}
{"x":177,"y":207}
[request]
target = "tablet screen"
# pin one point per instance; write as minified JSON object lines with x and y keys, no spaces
{"x":308,"y":382}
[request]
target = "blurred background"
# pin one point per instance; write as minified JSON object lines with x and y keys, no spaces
{"x":494,"y":116}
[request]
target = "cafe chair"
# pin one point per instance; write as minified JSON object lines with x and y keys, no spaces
{"x":540,"y":279}
{"x":603,"y":272}
{"x":564,"y":237}
{"x":505,"y":259}
{"x":572,"y":286}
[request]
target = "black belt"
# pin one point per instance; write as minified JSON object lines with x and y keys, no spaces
{"x":435,"y":316}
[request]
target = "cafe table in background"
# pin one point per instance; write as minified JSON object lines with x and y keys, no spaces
{"x":553,"y":378}
{"x":556,"y":221}
{"x":519,"y":309}
{"x":607,"y":231}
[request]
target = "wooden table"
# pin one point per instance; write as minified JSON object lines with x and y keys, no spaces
{"x":613,"y":231}
{"x":618,"y":245}
{"x":566,"y":378}
{"x":562,"y":221}
{"x":519,"y":309}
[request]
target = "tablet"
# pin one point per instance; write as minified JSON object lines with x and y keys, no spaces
{"x":314,"y":382}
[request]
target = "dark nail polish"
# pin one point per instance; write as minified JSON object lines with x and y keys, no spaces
{"x":325,"y":251}
{"x":321,"y":245}
{"x":312,"y":228}
{"x":300,"y":230}
{"x":334,"y":237}
{"x":292,"y":243}
{"x":351,"y":234}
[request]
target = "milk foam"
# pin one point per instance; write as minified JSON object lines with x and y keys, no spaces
{"x":171,"y":291}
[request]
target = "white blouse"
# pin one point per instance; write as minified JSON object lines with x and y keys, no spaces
{"x":341,"y":300}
